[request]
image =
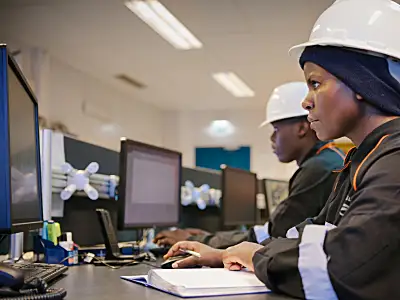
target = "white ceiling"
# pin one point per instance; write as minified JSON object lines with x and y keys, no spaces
{"x":103,"y":38}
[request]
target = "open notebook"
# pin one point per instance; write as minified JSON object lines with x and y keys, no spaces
{"x":202,"y":282}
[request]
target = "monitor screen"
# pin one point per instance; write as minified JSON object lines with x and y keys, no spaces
{"x":24,"y":197}
{"x":149,"y":186}
{"x":277,"y":191}
{"x":25,"y":201}
{"x":239,"y":192}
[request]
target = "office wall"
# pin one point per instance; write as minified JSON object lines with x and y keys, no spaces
{"x":98,"y":113}
{"x":94,"y":111}
{"x":185,"y":131}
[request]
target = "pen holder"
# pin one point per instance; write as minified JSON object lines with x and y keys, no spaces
{"x":55,"y":254}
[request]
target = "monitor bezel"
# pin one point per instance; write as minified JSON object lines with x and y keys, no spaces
{"x":224,"y":170}
{"x":265,"y":193}
{"x":7,"y":60}
{"x":125,"y":144}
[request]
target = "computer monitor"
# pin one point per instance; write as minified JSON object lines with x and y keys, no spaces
{"x":262,"y":202}
{"x":149,"y":186}
{"x":20,"y":177}
{"x":277,"y":191}
{"x":239,"y":192}
{"x":192,"y":216}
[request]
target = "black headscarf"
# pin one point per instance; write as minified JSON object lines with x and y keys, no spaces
{"x":367,"y":75}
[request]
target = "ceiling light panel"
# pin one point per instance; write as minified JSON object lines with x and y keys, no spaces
{"x":157,"y":16}
{"x":233,"y":84}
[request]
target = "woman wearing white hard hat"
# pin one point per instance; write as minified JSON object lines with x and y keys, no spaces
{"x":352,"y":249}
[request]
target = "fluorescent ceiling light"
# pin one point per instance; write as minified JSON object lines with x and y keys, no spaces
{"x":233,"y":84}
{"x":154,"y":14}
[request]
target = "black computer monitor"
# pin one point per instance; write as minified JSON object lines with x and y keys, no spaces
{"x":149,"y":186}
{"x":192,"y":216}
{"x":20,"y":178}
{"x":239,"y":192}
{"x":264,"y":213}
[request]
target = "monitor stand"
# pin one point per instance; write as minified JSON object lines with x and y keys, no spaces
{"x":113,"y":253}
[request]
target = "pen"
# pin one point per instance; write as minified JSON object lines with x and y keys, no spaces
{"x":194,"y":253}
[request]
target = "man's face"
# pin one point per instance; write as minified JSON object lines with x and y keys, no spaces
{"x":284,"y":140}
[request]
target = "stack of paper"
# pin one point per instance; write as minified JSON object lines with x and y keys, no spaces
{"x":201,"y":282}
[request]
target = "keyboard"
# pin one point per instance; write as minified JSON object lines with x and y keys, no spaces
{"x":47,"y":272}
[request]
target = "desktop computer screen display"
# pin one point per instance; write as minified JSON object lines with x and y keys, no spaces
{"x":150,"y":189}
{"x":21,"y":199}
{"x":239,"y":192}
{"x":277,"y":191}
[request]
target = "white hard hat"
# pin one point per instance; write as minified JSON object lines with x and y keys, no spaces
{"x":370,"y":25}
{"x":285,"y":102}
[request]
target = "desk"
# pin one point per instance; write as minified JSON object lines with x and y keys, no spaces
{"x":101,"y":283}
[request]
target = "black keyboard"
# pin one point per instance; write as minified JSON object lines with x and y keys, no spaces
{"x":47,"y":272}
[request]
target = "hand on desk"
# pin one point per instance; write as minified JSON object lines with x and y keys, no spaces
{"x":240,"y":256}
{"x":170,"y":237}
{"x":210,"y":257}
{"x":234,"y":258}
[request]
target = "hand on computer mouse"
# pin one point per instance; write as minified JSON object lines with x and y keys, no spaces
{"x":170,"y":237}
{"x":240,"y":256}
{"x":210,"y":257}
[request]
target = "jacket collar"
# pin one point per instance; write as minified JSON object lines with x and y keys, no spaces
{"x":372,"y":140}
{"x":318,"y":147}
{"x":357,"y":156}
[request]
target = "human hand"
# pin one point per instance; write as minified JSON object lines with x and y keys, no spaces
{"x":170,"y":237}
{"x":240,"y":256}
{"x":210,"y":257}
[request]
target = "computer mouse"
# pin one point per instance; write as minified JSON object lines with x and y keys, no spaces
{"x":170,"y":261}
{"x":10,"y":277}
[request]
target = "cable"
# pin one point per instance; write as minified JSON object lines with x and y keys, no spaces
{"x":68,"y":257}
{"x":2,"y":238}
{"x":116,"y":267}
{"x":130,"y":263}
{"x":36,"y":289}
{"x":20,"y":258}
{"x":51,"y":294}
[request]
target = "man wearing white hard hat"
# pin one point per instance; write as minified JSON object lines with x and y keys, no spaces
{"x":351,"y":249}
{"x":310,"y":186}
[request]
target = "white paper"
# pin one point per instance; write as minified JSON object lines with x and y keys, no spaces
{"x":209,"y":278}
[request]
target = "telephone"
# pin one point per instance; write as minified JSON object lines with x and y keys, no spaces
{"x":14,"y":287}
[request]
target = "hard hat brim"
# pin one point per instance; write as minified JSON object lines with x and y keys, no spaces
{"x":297,"y":50}
{"x":266,"y":122}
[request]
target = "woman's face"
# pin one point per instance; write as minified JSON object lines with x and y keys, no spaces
{"x":333,"y":108}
